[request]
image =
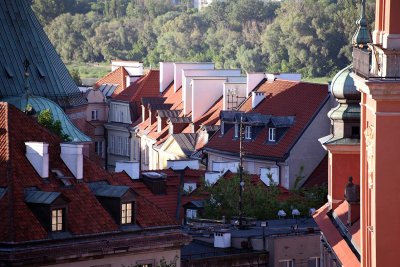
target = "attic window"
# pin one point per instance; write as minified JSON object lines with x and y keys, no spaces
{"x":272,"y":134}
{"x":40,"y":71}
{"x":247,"y":132}
{"x":236,"y":130}
{"x":9,"y":73}
{"x":57,"y":220}
{"x":126,"y":213}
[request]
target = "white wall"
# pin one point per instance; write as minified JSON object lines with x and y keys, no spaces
{"x":204,"y":94}
{"x":253,"y":79}
{"x":238,"y":88}
{"x":188,"y":75}
{"x":166,"y":74}
{"x":134,"y":68}
{"x":178,"y":67}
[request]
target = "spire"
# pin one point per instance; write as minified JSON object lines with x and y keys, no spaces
{"x":27,"y":108}
{"x":362,"y":36}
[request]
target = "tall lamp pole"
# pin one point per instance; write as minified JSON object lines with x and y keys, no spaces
{"x":241,"y":184}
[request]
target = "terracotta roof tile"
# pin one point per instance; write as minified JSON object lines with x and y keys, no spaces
{"x":17,"y":222}
{"x":283,"y":98}
{"x":117,"y":76}
{"x":334,"y":238}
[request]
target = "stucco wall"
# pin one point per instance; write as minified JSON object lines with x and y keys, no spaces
{"x":308,"y":151}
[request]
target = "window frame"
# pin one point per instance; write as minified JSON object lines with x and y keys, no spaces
{"x":99,"y":148}
{"x":272,"y":134}
{"x":95,"y":115}
{"x":237,"y":130}
{"x":247,"y":132}
{"x":57,"y":219}
{"x":125,"y":213}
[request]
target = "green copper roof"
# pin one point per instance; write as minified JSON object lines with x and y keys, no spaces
{"x":40,"y":103}
{"x":343,"y":87}
{"x":362,"y":37}
{"x":22,"y":37}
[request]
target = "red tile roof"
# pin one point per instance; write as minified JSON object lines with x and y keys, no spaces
{"x":118,"y":76}
{"x":146,"y":86}
{"x":17,"y":222}
{"x":335,"y":239}
{"x":320,"y":174}
{"x":283,"y":98}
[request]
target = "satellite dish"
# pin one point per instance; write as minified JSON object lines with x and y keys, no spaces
{"x":281,"y":213}
{"x":295,"y":212}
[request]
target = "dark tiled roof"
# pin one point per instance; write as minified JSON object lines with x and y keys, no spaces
{"x":41,"y":197}
{"x":22,"y":37}
{"x":180,"y":120}
{"x":109,"y":190}
{"x":166,"y":113}
{"x":186,"y":141}
{"x":284,"y":99}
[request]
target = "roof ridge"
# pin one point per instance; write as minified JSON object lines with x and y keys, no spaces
{"x":105,"y":77}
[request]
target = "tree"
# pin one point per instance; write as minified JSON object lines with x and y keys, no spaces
{"x":76,"y":77}
{"x":46,"y":119}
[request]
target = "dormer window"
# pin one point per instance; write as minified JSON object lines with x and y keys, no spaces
{"x":272,"y":135}
{"x":222,"y":128}
{"x":247,"y":132}
{"x":113,"y":196}
{"x":236,"y":130}
{"x":57,"y":220}
{"x":126,"y":213}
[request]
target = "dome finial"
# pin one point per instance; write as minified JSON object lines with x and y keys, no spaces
{"x":362,"y":36}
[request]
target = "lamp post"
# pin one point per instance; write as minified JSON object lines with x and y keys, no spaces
{"x":241,"y":183}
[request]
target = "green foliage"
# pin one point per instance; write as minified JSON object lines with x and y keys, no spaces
{"x":258,"y":201}
{"x":46,"y":119}
{"x":76,"y":76}
{"x":310,"y":36}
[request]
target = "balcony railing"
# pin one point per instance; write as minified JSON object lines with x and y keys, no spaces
{"x":376,"y":63}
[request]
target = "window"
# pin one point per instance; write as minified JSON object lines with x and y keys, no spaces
{"x":121,"y":116}
{"x":247,"y":132}
{"x":171,"y":129}
{"x":98,"y":145}
{"x":272,"y":134}
{"x":119,"y":145}
{"x":57,"y":220}
{"x":112,"y":144}
{"x":222,"y":128}
{"x":191,"y":213}
{"x":286,"y":263}
{"x":126,"y":213}
{"x":314,"y":262}
{"x":237,"y":130}
{"x":95,"y":115}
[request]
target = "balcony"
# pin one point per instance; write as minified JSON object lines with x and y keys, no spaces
{"x":376,"y":63}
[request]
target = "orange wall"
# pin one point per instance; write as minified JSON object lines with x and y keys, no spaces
{"x":342,"y":166}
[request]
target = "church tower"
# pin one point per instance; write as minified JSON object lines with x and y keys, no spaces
{"x":377,"y":76}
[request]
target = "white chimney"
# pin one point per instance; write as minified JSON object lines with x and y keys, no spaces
{"x":253,"y":79}
{"x":130,"y":167}
{"x":212,"y":177}
{"x":178,"y":67}
{"x":222,"y":239}
{"x":256,"y":98}
{"x":71,"y":154}
{"x":166,"y":75}
{"x":224,"y":166}
{"x":183,"y":164}
{"x":38,"y":155}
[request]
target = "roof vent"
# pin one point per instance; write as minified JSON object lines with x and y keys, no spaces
{"x":38,"y":156}
{"x":222,"y":239}
{"x":155,"y":182}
